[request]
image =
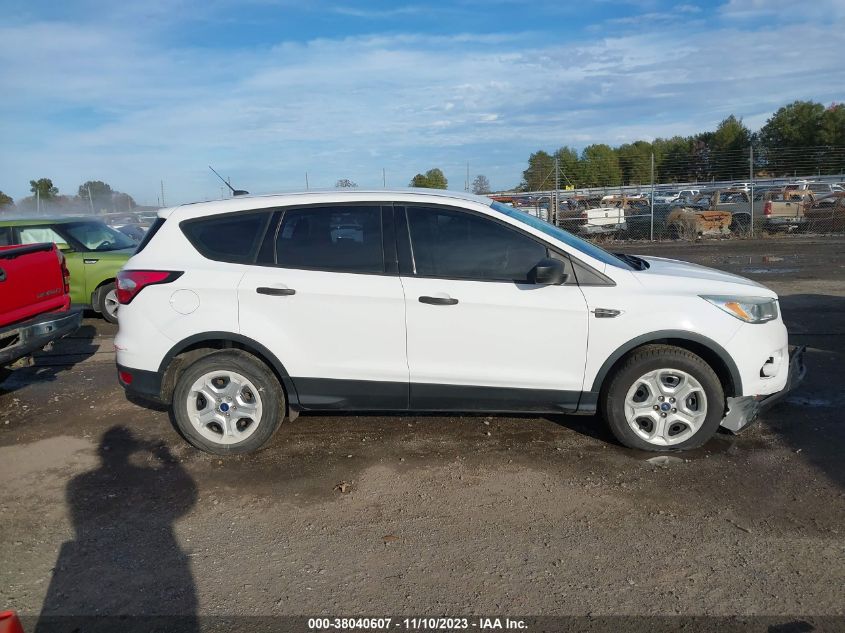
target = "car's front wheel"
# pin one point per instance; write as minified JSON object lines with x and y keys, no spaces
{"x":228,"y":402}
{"x":663,"y":398}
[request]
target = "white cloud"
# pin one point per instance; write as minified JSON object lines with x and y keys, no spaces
{"x":788,"y":9}
{"x":109,"y":103}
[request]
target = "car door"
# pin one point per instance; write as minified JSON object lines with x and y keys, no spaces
{"x":480,"y":337}
{"x":326,"y":299}
{"x":34,"y":234}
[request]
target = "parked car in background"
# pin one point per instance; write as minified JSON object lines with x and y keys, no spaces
{"x":608,"y":218}
{"x":94,"y":253}
{"x":713,"y":212}
{"x":686,"y":195}
{"x":822,"y":188}
{"x":135,"y":232}
{"x":783,"y":209}
{"x":230,"y":315}
{"x":665,"y":197}
{"x":827,"y":213}
{"x":35,"y":307}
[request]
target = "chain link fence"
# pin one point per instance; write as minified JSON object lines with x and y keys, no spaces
{"x":730,"y":194}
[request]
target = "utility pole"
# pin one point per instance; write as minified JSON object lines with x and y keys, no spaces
{"x":466,"y":182}
{"x":306,"y":181}
{"x":163,"y":203}
{"x":651,"y":232}
{"x":37,"y":201}
{"x":90,"y":200}
{"x":383,"y":178}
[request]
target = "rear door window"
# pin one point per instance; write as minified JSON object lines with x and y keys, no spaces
{"x":233,"y":237}
{"x":331,"y":238}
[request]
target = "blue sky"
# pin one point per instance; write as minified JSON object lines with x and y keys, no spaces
{"x":266,"y":90}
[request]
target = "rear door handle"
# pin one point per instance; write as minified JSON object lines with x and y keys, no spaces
{"x":90,"y":261}
{"x":439,"y":301}
{"x":2,"y":275}
{"x":275,"y":292}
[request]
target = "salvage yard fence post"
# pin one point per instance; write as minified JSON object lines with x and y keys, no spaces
{"x":751,"y":187}
{"x":651,"y":231}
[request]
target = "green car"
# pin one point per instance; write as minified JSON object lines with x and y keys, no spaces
{"x":94,"y":253}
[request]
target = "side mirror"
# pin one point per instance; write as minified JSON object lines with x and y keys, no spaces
{"x":65,"y":248}
{"x":548,"y":272}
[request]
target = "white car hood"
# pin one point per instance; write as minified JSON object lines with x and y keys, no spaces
{"x":663,"y":270}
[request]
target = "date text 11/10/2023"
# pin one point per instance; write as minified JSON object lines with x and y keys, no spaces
{"x":417,"y":623}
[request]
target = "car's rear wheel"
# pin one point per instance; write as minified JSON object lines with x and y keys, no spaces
{"x":228,"y":402}
{"x":663,"y":398}
{"x":107,"y":303}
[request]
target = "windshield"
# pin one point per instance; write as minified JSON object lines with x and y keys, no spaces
{"x":564,"y":236}
{"x":96,"y":236}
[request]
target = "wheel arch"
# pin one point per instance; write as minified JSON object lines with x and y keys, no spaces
{"x":709,"y":350}
{"x":198,"y":345}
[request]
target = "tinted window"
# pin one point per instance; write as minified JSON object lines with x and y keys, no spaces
{"x":456,"y":244}
{"x":344,"y":239}
{"x":228,"y":238}
{"x":6,"y":237}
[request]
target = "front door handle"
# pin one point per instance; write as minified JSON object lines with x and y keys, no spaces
{"x":90,"y":261}
{"x":2,"y":275}
{"x":275,"y":292}
{"x":438,"y":301}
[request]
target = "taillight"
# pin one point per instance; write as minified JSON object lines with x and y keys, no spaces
{"x":131,"y":282}
{"x":65,"y":272}
{"x":767,"y":208}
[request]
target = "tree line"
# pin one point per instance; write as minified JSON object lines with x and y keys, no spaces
{"x":93,"y":195}
{"x":800,"y":138}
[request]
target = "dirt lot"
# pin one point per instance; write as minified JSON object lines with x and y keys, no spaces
{"x":105,"y":510}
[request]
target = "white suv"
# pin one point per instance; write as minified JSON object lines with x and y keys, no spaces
{"x":240,"y":312}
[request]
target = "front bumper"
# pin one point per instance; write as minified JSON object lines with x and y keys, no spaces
{"x":22,"y":339}
{"x":745,"y":410}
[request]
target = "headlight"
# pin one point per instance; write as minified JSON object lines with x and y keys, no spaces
{"x":748,"y":309}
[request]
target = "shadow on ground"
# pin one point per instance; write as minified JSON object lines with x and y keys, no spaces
{"x":124,"y":559}
{"x":65,"y":355}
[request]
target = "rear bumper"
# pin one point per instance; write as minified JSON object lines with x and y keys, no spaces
{"x":745,"y":410}
{"x":598,"y":229}
{"x":783,"y":220}
{"x":140,"y":383}
{"x":21,"y":339}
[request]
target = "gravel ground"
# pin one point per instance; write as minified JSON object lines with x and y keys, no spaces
{"x":105,"y":510}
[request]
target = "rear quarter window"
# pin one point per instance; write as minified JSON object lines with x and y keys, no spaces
{"x":232,"y":237}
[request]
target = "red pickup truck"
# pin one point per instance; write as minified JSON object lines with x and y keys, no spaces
{"x":34,"y":300}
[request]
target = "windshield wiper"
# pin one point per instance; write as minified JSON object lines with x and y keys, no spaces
{"x":638,"y":263}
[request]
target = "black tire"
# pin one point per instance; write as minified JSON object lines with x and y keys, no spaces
{"x":105,"y":296}
{"x":740,"y":223}
{"x":272,"y":399}
{"x":649,"y":358}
